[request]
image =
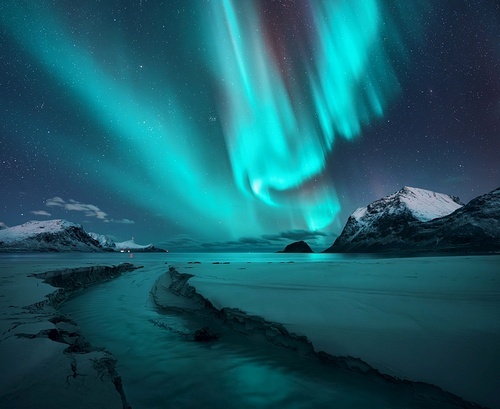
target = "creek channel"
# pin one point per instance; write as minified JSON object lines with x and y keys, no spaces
{"x":163,"y":367}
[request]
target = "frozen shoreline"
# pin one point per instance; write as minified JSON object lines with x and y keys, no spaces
{"x":337,"y":304}
{"x":46,"y":362}
{"x":174,"y":284}
{"x":421,"y":319}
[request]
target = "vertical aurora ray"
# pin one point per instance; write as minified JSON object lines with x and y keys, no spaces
{"x":351,"y":79}
{"x":257,"y":167}
{"x":270,"y":146}
{"x":277,"y":145}
{"x":161,"y":173}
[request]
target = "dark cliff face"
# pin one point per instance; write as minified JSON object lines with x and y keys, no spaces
{"x":73,"y":238}
{"x":473,"y":228}
{"x":298,"y":247}
{"x":384,"y":231}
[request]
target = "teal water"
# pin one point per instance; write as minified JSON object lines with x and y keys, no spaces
{"x":161,"y":368}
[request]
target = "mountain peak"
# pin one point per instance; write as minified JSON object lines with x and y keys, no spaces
{"x":424,"y":205}
{"x":34,"y":227}
{"x":394,"y":213}
{"x":62,"y":235}
{"x":415,"y":219}
{"x":47,"y":235}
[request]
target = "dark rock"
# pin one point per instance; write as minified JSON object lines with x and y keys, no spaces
{"x":298,"y":247}
{"x":72,"y":279}
{"x":204,"y":335}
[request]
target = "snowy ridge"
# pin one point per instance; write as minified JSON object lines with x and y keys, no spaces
{"x":103,"y":240}
{"x":379,"y":221}
{"x":128,"y":245}
{"x":50,"y":235}
{"x":61,"y":236}
{"x":34,"y":228}
{"x":415,"y":219}
{"x":424,"y":205}
{"x":132,"y":245}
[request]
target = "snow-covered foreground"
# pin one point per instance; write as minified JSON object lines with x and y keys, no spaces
{"x":34,"y":371}
{"x":433,"y":319}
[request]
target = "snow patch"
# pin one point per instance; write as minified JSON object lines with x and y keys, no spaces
{"x":426,"y":205}
{"x":132,"y":245}
{"x":359,"y":213}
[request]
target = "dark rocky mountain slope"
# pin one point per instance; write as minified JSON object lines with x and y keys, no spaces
{"x":416,"y":220}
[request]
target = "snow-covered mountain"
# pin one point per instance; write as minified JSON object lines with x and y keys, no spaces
{"x":50,"y":235}
{"x":131,"y":245}
{"x":420,"y":220}
{"x":105,"y":242}
{"x":387,"y":221}
{"x":61,"y":236}
{"x":473,"y":228}
{"x":420,"y":204}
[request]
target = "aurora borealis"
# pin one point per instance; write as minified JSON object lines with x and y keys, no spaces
{"x":276,"y":144}
{"x":220,"y":124}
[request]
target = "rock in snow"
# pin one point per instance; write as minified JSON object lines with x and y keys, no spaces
{"x":420,"y":220}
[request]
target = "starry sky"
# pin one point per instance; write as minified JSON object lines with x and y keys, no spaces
{"x":231,"y":125}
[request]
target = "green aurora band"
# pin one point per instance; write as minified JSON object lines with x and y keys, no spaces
{"x":278,"y":133}
{"x":275,"y":143}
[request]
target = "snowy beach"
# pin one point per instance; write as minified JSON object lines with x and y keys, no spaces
{"x":433,"y":320}
{"x":37,"y":370}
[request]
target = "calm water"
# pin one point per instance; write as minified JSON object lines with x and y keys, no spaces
{"x":163,"y":369}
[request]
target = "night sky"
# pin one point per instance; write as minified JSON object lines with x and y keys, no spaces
{"x":242,"y":124}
